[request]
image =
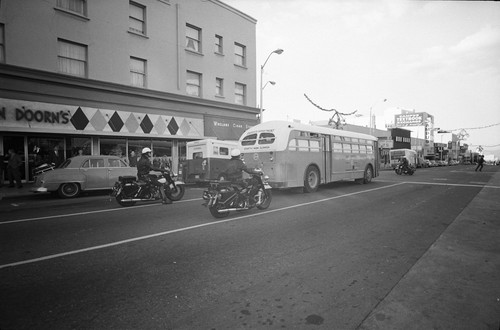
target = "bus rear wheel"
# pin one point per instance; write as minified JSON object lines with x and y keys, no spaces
{"x":311,"y":179}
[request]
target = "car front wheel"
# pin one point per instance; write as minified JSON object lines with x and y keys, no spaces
{"x":69,"y":190}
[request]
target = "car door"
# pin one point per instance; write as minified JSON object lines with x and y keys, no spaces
{"x":96,"y":173}
{"x":117,"y":168}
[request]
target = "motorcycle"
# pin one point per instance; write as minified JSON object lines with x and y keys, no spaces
{"x":223,"y":197}
{"x":43,"y":168}
{"x":400,"y":169}
{"x":128,"y":190}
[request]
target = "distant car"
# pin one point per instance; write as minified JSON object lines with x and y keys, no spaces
{"x":83,"y":173}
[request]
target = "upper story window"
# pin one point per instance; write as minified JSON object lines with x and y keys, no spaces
{"x":218,"y":44}
{"x":193,"y":83}
{"x":240,"y":93}
{"x":137,"y":18}
{"x":239,"y":54}
{"x":72,"y":58}
{"x":219,"y":87}
{"x":193,"y":38}
{"x":137,"y":72}
{"x":2,"y":44}
{"x":76,"y":6}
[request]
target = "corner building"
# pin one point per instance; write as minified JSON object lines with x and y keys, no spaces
{"x":115,"y":76}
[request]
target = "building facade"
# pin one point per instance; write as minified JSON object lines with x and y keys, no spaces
{"x":115,"y":76}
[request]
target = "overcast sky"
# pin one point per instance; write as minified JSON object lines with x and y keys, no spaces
{"x":439,"y":57}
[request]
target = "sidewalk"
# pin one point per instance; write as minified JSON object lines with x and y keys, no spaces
{"x":456,"y":283}
{"x":6,"y":192}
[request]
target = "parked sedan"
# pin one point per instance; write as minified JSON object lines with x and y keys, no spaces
{"x":83,"y":173}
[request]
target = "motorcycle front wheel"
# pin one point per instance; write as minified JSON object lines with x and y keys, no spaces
{"x":176,"y":194}
{"x":214,"y":210}
{"x":267,"y":197}
{"x":398,"y":171}
{"x":123,"y":203}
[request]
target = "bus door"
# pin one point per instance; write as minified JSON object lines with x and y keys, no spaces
{"x":376,"y":153}
{"x":326,"y":172}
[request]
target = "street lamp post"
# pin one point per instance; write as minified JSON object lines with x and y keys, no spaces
{"x":371,"y":116}
{"x":277,"y":51}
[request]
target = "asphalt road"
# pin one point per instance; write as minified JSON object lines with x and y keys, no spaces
{"x":323,"y":260}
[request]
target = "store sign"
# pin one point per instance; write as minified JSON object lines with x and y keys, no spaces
{"x":19,"y":115}
{"x":226,"y":128}
{"x":386,"y":144}
{"x":412,"y":119}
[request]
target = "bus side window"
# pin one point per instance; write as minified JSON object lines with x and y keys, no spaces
{"x":369,"y":149}
{"x":337,"y":147}
{"x":249,"y":140}
{"x":314,"y":146}
{"x":355,"y":149}
{"x":346,"y":147}
{"x":303,"y":145}
{"x":292,"y":145}
{"x":216,"y":150}
{"x":198,"y":155}
{"x":223,"y":151}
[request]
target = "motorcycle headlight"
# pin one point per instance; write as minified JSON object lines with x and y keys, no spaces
{"x":162,"y":180}
{"x":266,"y":177}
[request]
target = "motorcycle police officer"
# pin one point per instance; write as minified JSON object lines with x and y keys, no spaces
{"x":405,"y":165}
{"x":236,"y":167}
{"x":235,"y":170}
{"x":144,"y":166}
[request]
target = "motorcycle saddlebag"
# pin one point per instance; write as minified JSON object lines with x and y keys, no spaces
{"x":127,"y":179}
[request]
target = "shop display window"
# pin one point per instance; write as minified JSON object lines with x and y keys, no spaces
{"x":113,"y":146}
{"x":162,"y":153}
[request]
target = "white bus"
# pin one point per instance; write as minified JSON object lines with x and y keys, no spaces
{"x":206,"y":160}
{"x":298,"y":155}
{"x":395,"y":156}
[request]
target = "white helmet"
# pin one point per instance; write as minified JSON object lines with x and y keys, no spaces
{"x":235,"y":152}
{"x":145,"y":151}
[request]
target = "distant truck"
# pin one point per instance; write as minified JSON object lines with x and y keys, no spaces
{"x":397,"y":154}
{"x":207,"y":160}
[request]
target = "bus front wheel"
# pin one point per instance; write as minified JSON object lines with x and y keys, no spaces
{"x":311,"y":179}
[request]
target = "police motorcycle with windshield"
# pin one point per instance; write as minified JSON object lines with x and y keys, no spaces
{"x":151,"y":187}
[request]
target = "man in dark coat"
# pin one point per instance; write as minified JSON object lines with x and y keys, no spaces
{"x":13,"y":169}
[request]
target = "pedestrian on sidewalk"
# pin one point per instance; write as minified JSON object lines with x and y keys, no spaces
{"x":3,"y":169}
{"x":480,"y":163}
{"x":13,"y":171}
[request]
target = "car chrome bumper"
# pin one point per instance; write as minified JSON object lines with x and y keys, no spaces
{"x":38,"y":189}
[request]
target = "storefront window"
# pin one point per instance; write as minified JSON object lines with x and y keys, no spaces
{"x":78,"y":146}
{"x":162,"y":153}
{"x":41,"y":150}
{"x":114,"y":147}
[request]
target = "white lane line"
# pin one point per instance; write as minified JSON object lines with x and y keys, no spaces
{"x":98,"y":247}
{"x":92,"y":212}
{"x":454,"y":184}
{"x":472,"y":184}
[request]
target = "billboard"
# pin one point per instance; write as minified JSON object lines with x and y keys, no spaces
{"x":410,"y":119}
